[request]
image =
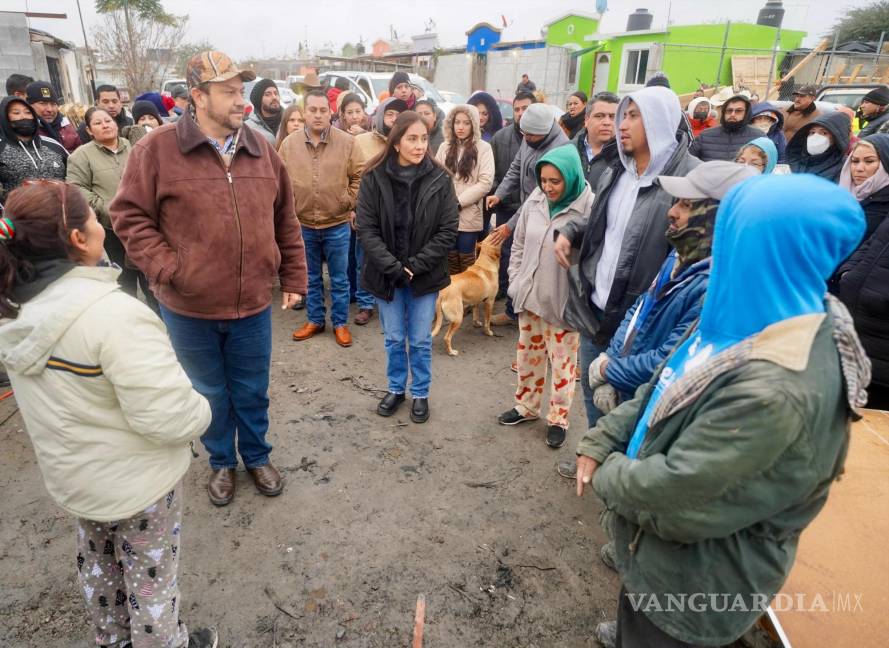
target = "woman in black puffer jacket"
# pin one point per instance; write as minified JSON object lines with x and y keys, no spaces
{"x":862,"y":282}
{"x":408,"y":216}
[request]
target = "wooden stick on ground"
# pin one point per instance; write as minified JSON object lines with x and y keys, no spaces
{"x":419,"y":620}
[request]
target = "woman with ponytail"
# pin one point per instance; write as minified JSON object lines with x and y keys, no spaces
{"x":109,"y":411}
{"x":471,"y":161}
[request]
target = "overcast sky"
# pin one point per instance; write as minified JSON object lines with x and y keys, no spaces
{"x":242,"y":29}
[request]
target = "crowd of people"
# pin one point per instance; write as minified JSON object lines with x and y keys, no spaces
{"x":715,"y":277}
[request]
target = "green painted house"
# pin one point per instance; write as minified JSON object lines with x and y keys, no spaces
{"x":688,"y":54}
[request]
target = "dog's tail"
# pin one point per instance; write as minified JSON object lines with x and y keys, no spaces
{"x":436,"y":327}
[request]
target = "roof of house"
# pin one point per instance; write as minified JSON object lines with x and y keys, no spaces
{"x":483,"y":24}
{"x":574,"y":14}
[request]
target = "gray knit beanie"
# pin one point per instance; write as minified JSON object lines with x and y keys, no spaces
{"x":537,"y":120}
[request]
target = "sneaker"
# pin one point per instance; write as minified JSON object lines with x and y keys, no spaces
{"x":203,"y":638}
{"x":555,"y":436}
{"x":514,"y":367}
{"x":606,"y":553}
{"x":606,"y":634}
{"x":512,"y":417}
{"x":568,"y":469}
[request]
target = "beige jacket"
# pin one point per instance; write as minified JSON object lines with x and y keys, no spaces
{"x":371,"y":144}
{"x":325,"y":178}
{"x":107,"y":406}
{"x":537,"y":282}
{"x":472,"y":191}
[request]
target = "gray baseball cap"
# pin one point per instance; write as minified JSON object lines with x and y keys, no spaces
{"x":707,"y":180}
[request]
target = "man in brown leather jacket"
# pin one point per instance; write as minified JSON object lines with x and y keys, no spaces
{"x":205,"y":210}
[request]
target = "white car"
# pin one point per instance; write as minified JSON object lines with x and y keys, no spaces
{"x":288,"y":96}
{"x":370,"y":85}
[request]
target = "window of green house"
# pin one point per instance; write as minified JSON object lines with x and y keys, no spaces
{"x":637,"y":63}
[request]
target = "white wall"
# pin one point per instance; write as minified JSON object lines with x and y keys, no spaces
{"x":547,"y":67}
{"x":15,"y":47}
{"x":452,"y":73}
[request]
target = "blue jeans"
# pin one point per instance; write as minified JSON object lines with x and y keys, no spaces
{"x":465,"y":243}
{"x":407,"y":329}
{"x":228,"y":362}
{"x":589,"y":351}
{"x":330,"y":244}
{"x":365,"y":300}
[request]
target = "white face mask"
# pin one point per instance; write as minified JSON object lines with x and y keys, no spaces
{"x":816,"y":144}
{"x":762,"y":125}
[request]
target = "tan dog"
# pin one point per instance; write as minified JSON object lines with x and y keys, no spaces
{"x":474,"y":286}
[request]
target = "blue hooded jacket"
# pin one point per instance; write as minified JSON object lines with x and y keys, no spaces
{"x":672,"y":307}
{"x":766,"y":145}
{"x":777,"y":241}
{"x":776,"y":132}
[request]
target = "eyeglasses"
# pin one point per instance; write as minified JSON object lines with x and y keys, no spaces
{"x":735,"y":111}
{"x":63,"y":194}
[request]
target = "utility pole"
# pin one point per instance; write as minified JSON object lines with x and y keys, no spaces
{"x":89,"y":53}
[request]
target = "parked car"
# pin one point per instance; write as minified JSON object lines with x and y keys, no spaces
{"x":846,"y":95}
{"x":452,"y":97}
{"x":371,"y":85}
{"x":288,"y":96}
{"x":169,"y":84}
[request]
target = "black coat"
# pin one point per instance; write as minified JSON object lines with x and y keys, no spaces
{"x":719,"y":143}
{"x":864,"y":288}
{"x":432,"y":226}
{"x":506,"y":144}
{"x":828,"y":164}
{"x":593,"y":169}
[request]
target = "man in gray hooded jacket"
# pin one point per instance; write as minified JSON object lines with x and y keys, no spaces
{"x":622,"y":245}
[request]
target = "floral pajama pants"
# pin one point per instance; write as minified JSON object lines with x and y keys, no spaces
{"x":128,"y":576}
{"x":539,"y":342}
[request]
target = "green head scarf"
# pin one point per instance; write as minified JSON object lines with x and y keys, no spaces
{"x":567,"y":161}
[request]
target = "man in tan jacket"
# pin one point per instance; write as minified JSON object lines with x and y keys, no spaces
{"x":325,"y":166}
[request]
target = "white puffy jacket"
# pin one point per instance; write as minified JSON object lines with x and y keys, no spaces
{"x":108,"y":407}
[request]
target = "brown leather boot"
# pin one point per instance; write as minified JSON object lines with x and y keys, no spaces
{"x":343,"y":336}
{"x":453,"y":263}
{"x":267,"y":479}
{"x":466,"y":260}
{"x":221,"y":487}
{"x":308,"y":330}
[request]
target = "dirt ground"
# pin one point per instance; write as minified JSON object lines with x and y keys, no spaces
{"x":376,"y":511}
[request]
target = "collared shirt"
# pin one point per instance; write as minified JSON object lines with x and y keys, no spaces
{"x":228,"y":147}
{"x":589,"y":150}
{"x":325,"y":136}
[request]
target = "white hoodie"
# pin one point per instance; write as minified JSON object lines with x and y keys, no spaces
{"x":661,"y":114}
{"x":108,"y":407}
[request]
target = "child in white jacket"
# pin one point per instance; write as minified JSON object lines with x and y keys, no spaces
{"x":108,"y":408}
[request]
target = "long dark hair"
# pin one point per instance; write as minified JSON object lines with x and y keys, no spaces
{"x":43,"y":213}
{"x":282,"y":128}
{"x":461,"y":165}
{"x":404,"y":121}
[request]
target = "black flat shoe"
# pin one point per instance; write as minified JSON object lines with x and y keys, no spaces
{"x":555,"y":436}
{"x":389,"y":404}
{"x":420,"y":410}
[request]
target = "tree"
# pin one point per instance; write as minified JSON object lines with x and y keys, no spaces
{"x":864,"y":23}
{"x":141,"y":39}
{"x":184,"y":53}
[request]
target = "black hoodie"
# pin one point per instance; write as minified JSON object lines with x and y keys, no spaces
{"x":722,"y":143}
{"x":41,"y":157}
{"x":828,"y":164}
